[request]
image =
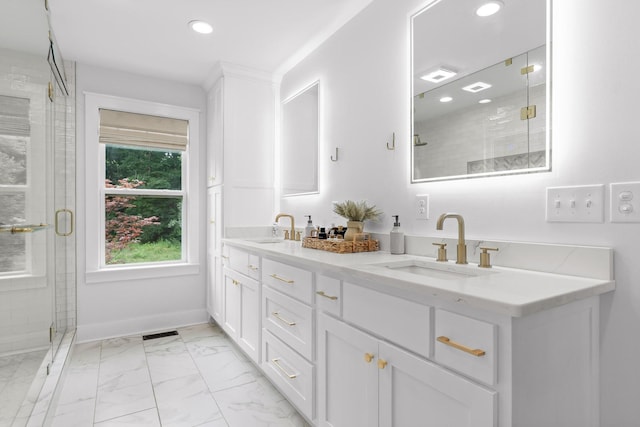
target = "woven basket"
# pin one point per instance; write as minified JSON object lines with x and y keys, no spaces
{"x":361,"y":243}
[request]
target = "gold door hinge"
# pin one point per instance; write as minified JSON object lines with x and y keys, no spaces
{"x":526,"y":70}
{"x":52,"y":333}
{"x":508,"y":62}
{"x":527,"y":113}
{"x":50,"y":91}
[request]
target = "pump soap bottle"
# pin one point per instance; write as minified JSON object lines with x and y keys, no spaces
{"x":396,"y":238}
{"x":309,"y":228}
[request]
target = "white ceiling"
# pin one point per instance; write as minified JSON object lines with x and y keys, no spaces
{"x":151,"y":37}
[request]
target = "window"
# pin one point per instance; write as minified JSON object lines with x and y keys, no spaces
{"x":142,"y":212}
{"x":22,"y":186}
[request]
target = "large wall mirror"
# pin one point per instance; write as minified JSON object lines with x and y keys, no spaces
{"x":481,"y":89}
{"x":299,"y":149}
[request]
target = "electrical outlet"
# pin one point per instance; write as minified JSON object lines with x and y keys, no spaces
{"x":625,"y":202}
{"x":584,"y":203}
{"x":421,"y":206}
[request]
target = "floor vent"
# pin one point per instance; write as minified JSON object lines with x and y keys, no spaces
{"x":160,"y":335}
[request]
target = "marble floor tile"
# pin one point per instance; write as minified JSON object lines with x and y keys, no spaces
{"x":185,"y":402}
{"x":226,"y":369}
{"x":74,"y":414}
{"x":198,"y":378}
{"x":195,"y":332}
{"x":257,"y":404}
{"x":113,"y":403}
{"x":148,"y":418}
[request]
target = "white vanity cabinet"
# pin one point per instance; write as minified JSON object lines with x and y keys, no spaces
{"x":288,"y":321}
{"x":241,"y":301}
{"x":367,"y":381}
{"x":398,"y":360}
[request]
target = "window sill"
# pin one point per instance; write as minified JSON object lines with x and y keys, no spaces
{"x":120,"y":274}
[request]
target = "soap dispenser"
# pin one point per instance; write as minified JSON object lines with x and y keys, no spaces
{"x":309,"y":228}
{"x":396,"y":238}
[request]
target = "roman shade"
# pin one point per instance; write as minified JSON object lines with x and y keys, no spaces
{"x":142,"y":130}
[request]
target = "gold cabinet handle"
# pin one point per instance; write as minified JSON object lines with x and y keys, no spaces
{"x":331,"y":297}
{"x":235,"y":282}
{"x":282,"y":319}
{"x":368,"y":357}
{"x":284,"y":371}
{"x":252,"y":267}
{"x":225,"y":257}
{"x":275,"y":276}
{"x":474,"y":351}
{"x":382,"y":363}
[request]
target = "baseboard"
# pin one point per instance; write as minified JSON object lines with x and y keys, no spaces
{"x":140,"y":325}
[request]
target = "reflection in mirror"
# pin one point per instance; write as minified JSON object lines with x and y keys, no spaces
{"x":299,"y":150}
{"x":481,"y":94}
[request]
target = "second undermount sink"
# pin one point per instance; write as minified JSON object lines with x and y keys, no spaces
{"x":436,"y":270}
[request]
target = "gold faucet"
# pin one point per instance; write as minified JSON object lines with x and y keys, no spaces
{"x":292,"y":234}
{"x":462,"y":246}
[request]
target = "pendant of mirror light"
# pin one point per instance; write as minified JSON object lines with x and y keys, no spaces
{"x":489,"y":8}
{"x":446,"y":99}
{"x":201,"y":27}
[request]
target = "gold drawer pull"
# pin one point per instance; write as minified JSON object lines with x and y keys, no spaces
{"x":283,"y":320}
{"x":275,"y":276}
{"x":252,"y":267}
{"x":382,"y":363}
{"x":368,"y":357}
{"x":331,"y":297}
{"x":277,"y":363}
{"x":235,"y":282}
{"x":476,"y":352}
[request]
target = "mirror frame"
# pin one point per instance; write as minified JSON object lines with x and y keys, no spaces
{"x":316,"y":163}
{"x":548,"y":98}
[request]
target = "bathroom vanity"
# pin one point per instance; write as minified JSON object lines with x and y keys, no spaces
{"x":374,"y":339}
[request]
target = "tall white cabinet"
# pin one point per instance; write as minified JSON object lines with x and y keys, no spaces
{"x":241,"y":120}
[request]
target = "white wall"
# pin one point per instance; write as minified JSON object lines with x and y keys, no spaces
{"x":125,"y":307}
{"x":364,"y":82}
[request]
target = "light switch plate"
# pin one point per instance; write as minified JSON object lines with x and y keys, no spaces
{"x":625,"y":202}
{"x":584,"y":203}
{"x":421,"y":206}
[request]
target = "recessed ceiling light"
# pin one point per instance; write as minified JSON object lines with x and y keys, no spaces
{"x":438,"y":75}
{"x":446,"y":99}
{"x":489,"y":8}
{"x":484,"y":101}
{"x":201,"y":27}
{"x":476,"y":87}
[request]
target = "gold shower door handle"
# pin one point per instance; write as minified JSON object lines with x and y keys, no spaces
{"x":474,"y":351}
{"x":70,"y":213}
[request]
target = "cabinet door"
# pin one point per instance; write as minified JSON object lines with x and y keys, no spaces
{"x":414,"y":392}
{"x":215,"y":136}
{"x":347,"y":375}
{"x":249,"y":330}
{"x":231,"y":304}
{"x":216,"y":289}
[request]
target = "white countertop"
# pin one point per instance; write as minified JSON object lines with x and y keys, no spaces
{"x":514,"y":292}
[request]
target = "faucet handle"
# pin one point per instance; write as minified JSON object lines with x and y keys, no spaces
{"x":442,"y":252}
{"x":286,"y":234}
{"x":485,"y":257}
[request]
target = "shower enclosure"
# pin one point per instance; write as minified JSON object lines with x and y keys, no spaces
{"x":37,"y":201}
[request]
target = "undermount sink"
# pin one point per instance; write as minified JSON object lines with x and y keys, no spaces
{"x":445,"y":270}
{"x":264,"y":239}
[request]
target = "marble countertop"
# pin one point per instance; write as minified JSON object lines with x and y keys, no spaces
{"x":509,"y":291}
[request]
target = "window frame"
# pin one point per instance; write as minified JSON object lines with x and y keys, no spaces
{"x":96,"y":268}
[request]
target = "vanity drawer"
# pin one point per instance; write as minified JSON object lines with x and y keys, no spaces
{"x":289,"y":320}
{"x":466,"y":345}
{"x":293,"y":281}
{"x":329,"y":295}
{"x":290,"y":372}
{"x":401,"y":321}
{"x":253,"y":267}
